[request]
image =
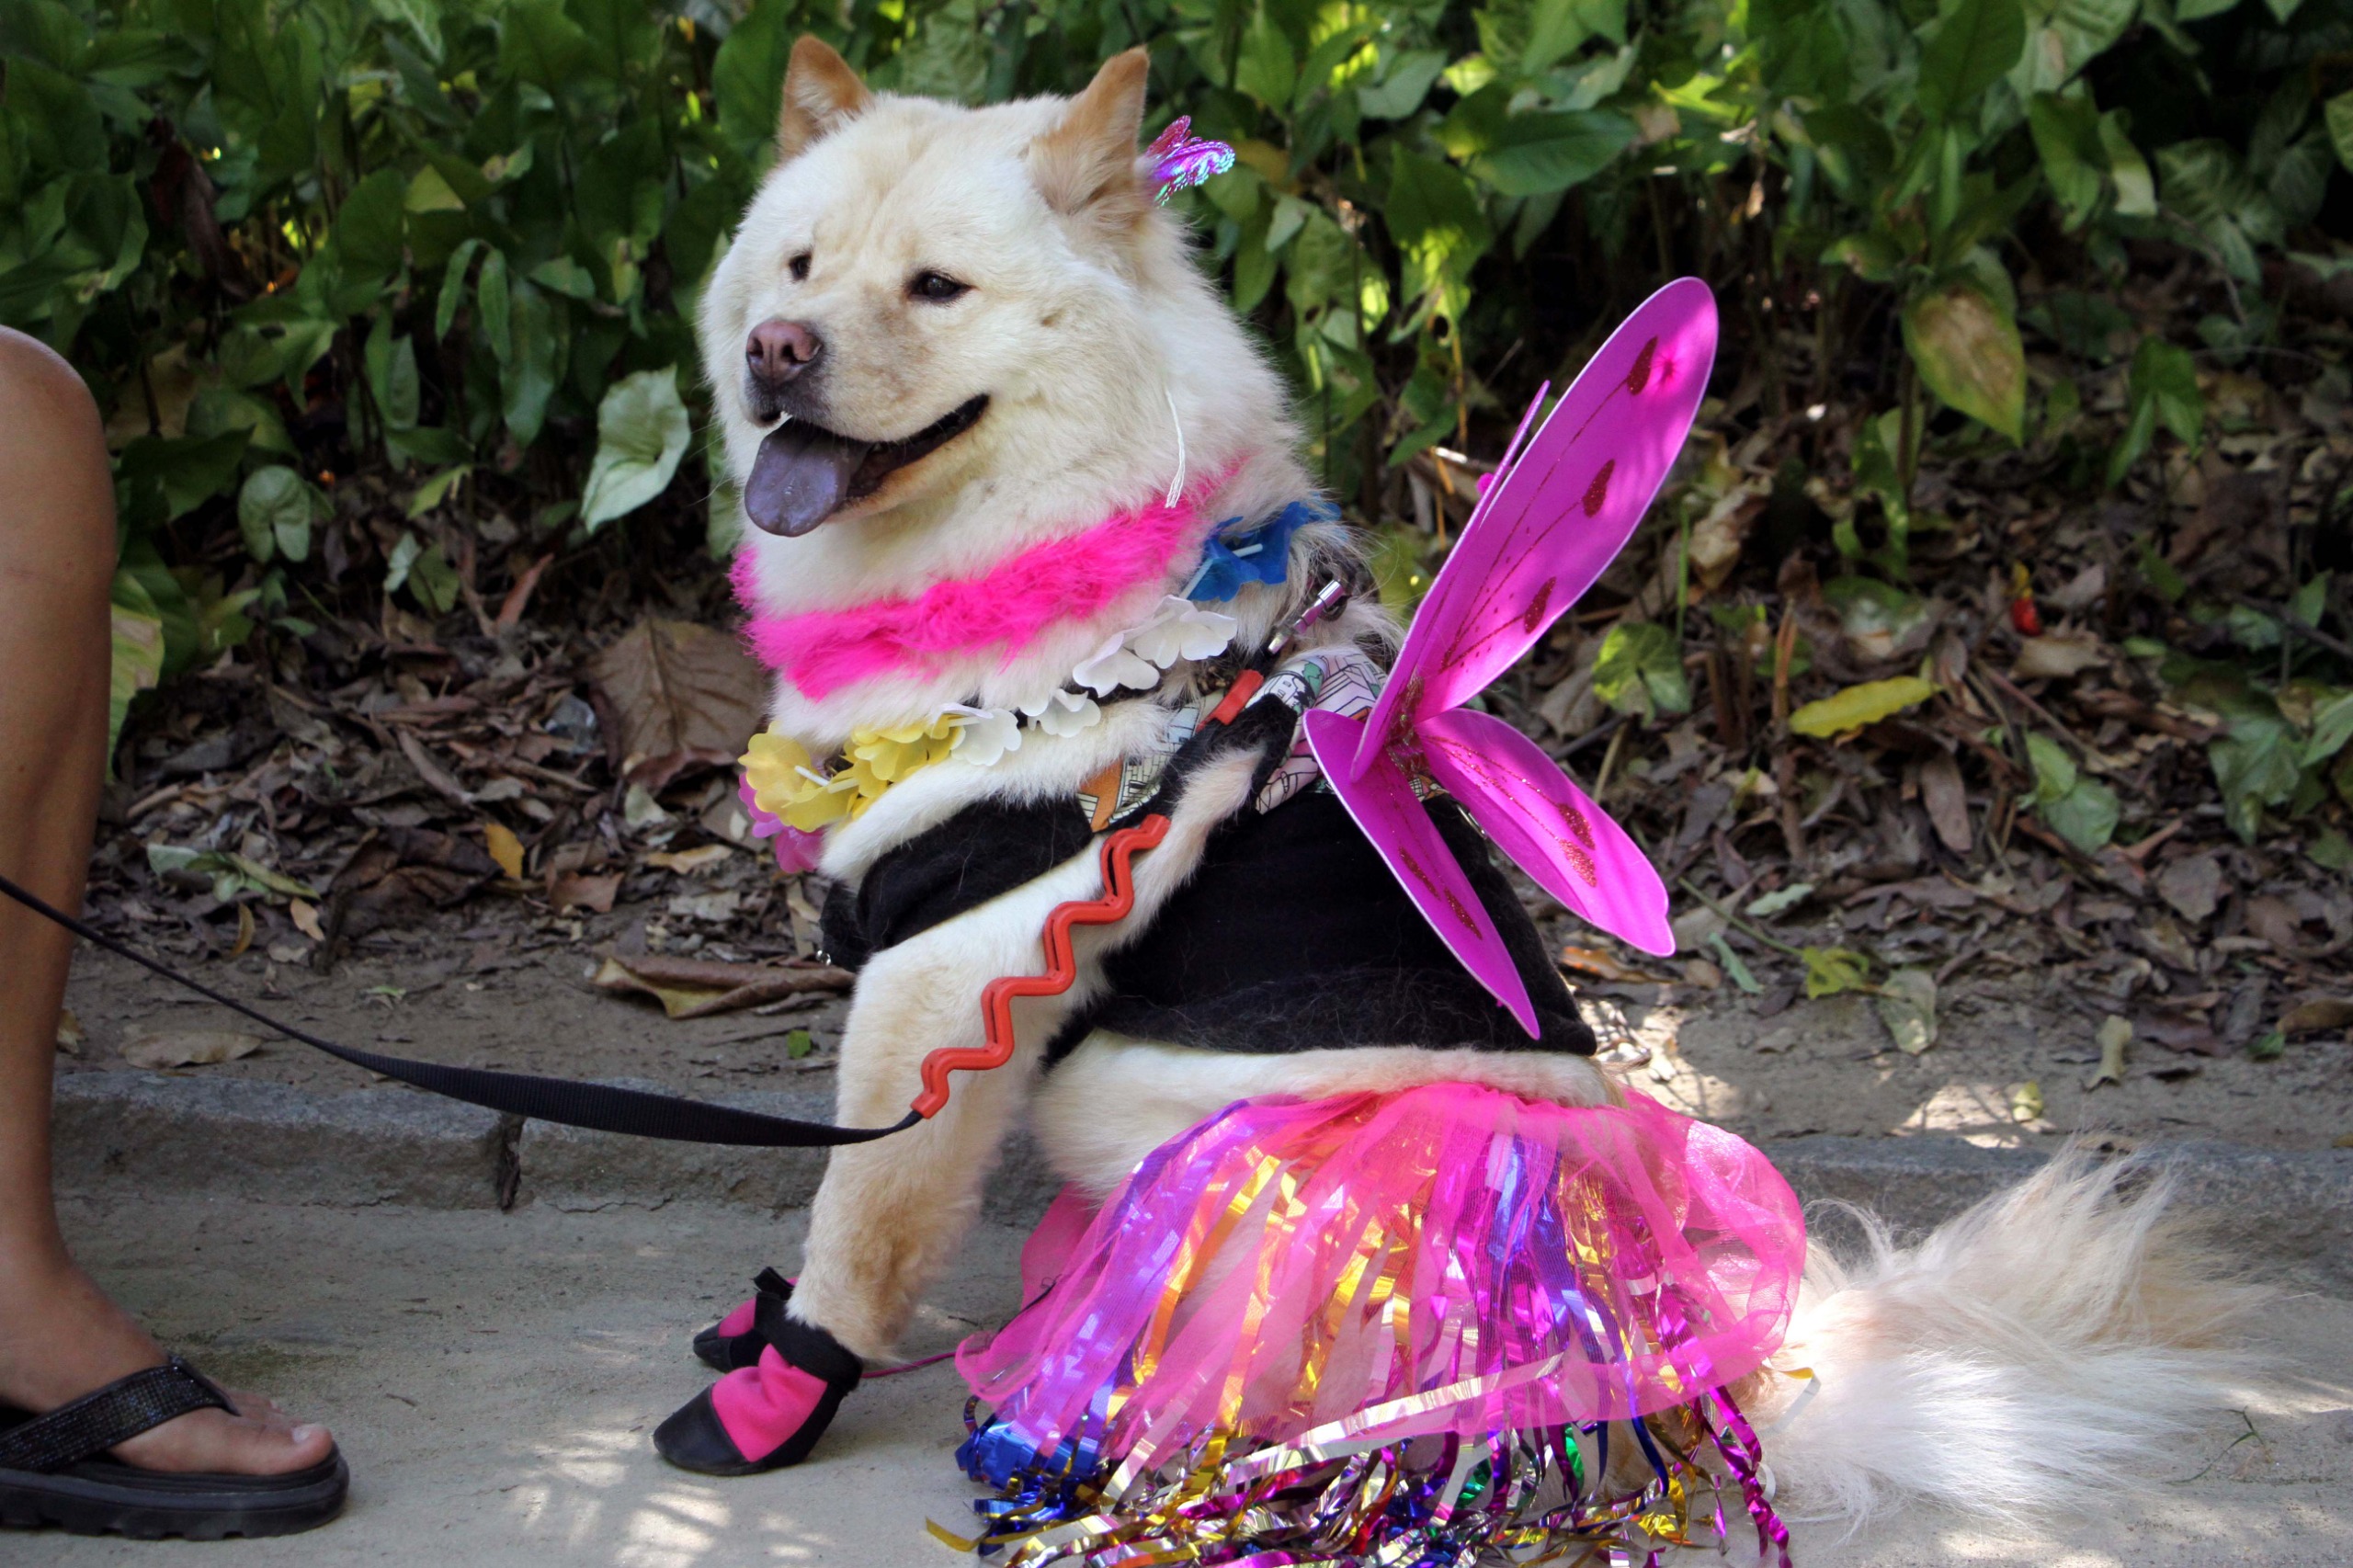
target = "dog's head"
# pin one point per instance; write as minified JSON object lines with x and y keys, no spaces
{"x":923,"y":293}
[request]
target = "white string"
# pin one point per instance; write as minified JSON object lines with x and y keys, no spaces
{"x":1177,"y":486}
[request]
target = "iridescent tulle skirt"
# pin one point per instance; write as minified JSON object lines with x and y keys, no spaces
{"x":1394,"y":1329}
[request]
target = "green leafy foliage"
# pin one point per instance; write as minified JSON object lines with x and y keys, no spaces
{"x":641,"y":432}
{"x":456,"y":245}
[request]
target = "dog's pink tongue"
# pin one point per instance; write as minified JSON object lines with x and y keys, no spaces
{"x":801,"y":477}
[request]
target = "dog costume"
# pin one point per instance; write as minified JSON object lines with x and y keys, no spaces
{"x":1378,"y":1327}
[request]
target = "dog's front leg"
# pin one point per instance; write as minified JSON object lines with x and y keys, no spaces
{"x":890,"y":1213}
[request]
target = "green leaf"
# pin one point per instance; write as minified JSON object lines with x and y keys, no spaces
{"x":1968,"y":351}
{"x":1640,"y":670}
{"x":2164,"y":378}
{"x":1975,"y":44}
{"x":797,"y":1044}
{"x":1859,"y":706}
{"x":372,"y":224}
{"x":2207,"y":183}
{"x":138,"y":652}
{"x":566,"y":277}
{"x":495,"y":306}
{"x":1735,"y":970}
{"x":1402,"y":88}
{"x":527,"y":378}
{"x":540,"y":44}
{"x":181,"y":474}
{"x":2339,"y":113}
{"x":1538,"y":153}
{"x":2332,"y":727}
{"x":436,"y":490}
{"x":2066,"y":136}
{"x":2256,"y":765}
{"x":1832,"y":970}
{"x":391,"y":374}
{"x":2136,"y":189}
{"x":2054,"y":770}
{"x":429,"y":191}
{"x":275,"y":510}
{"x":1266,"y":68}
{"x":453,"y":287}
{"x":641,"y":432}
{"x":1436,"y":219}
{"x":2085,"y":816}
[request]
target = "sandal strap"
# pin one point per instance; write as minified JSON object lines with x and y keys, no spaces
{"x":115,"y":1414}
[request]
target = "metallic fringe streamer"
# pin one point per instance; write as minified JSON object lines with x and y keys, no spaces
{"x":1521,"y":1498}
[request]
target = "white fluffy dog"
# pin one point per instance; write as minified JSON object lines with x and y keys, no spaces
{"x":946,"y":336}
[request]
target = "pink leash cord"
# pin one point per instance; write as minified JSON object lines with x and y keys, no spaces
{"x":911,"y":1366}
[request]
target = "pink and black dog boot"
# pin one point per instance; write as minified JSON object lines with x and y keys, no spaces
{"x":766,"y":1415}
{"x":737,"y":1340}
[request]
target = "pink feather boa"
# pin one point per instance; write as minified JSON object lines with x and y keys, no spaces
{"x":1006,"y":607}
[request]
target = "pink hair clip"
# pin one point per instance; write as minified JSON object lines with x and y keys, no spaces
{"x":1178,"y":160}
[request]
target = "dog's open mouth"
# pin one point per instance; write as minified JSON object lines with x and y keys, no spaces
{"x":805,"y":474}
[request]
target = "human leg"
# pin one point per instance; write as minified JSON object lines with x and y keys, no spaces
{"x":59,"y":1336}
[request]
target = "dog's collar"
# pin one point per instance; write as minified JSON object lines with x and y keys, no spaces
{"x":791,"y":798}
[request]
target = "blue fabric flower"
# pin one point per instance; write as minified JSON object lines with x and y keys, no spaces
{"x":1261,"y":555}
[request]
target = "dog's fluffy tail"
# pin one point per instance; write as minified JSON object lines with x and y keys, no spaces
{"x":2046,"y":1343}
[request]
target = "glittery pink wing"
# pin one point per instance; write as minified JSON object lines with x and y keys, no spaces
{"x":1383,"y":803}
{"x":1549,"y":825}
{"x":1558,"y":515}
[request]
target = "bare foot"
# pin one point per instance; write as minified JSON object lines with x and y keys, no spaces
{"x":61,"y":1337}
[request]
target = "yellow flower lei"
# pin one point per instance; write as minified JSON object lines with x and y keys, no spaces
{"x":786,"y":781}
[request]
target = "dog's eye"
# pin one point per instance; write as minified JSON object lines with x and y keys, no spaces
{"x":937,"y":287}
{"x":799,"y":264}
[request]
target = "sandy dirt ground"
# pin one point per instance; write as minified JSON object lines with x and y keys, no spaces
{"x":485,"y":987}
{"x":493,"y":1378}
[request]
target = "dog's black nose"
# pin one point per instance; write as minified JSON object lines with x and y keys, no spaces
{"x":780,"y":349}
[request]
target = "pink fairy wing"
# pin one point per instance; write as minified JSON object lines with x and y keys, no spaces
{"x":1548,"y":526}
{"x":1383,"y":803}
{"x":1549,"y":825}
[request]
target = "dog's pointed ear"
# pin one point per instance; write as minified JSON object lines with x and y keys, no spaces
{"x":1088,"y":159}
{"x":821,"y":95}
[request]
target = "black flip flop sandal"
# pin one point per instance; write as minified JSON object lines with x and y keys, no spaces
{"x":723,"y":1352}
{"x":53,"y":1470}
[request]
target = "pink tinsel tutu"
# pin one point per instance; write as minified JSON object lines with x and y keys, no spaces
{"x":1291,"y":1283}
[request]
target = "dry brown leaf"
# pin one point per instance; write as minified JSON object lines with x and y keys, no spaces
{"x":692,"y":862}
{"x":696,"y":988}
{"x":2181,"y":1034}
{"x":1907,"y":1005}
{"x":245,"y":931}
{"x":671,"y":695}
{"x":1606,"y":966}
{"x":159,"y":1049}
{"x":582,"y":889}
{"x":2194,"y":887}
{"x":2317,"y":1014}
{"x":1947,"y":801}
{"x":504,"y":849}
{"x":437,"y":777}
{"x":2056,"y":656}
{"x":2274,"y":920}
{"x":394,"y":878}
{"x":306,"y":919}
{"x":2114,"y":1035}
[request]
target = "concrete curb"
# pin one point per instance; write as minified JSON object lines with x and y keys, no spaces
{"x":237,"y":1138}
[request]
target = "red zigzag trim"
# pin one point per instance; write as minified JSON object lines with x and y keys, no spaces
{"x":1061,"y":966}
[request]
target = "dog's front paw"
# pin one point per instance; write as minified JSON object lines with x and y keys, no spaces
{"x":767,"y":1415}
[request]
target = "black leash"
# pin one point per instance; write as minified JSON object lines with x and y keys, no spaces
{"x":599,"y":1107}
